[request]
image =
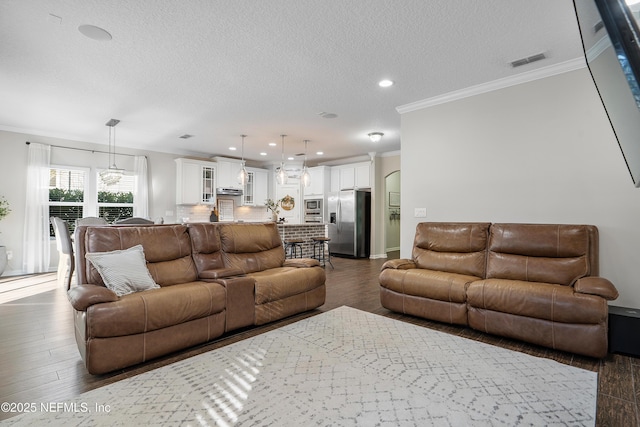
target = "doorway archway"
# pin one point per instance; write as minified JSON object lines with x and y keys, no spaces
{"x":392,"y":214}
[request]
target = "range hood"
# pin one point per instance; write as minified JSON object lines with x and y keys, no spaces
{"x":224,"y":191}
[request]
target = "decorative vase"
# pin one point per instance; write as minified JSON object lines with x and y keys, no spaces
{"x":274,"y":217}
{"x":3,"y":259}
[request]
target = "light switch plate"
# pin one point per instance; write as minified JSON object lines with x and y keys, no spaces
{"x":420,"y":212}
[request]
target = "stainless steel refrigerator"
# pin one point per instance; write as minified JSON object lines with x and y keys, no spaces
{"x":350,"y":223}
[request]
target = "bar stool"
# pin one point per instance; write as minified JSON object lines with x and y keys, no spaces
{"x":318,"y":250}
{"x":293,"y":247}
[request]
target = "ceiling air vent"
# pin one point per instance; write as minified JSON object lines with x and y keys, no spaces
{"x":186,"y":136}
{"x":528,"y":60}
{"x":599,"y":25}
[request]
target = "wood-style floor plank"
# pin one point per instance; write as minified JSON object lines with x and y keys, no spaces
{"x":39,"y":360}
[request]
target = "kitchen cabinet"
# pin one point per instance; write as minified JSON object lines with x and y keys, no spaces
{"x":195,"y":182}
{"x":254,"y":192}
{"x":320,"y":179}
{"x":353,"y":175}
{"x":228,"y":170}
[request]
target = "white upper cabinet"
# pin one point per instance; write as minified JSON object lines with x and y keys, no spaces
{"x":353,"y":175}
{"x":195,"y":182}
{"x":255,"y":192}
{"x":228,"y":170}
{"x":320,"y":179}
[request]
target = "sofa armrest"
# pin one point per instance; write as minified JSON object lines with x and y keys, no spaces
{"x":301,"y":262}
{"x":240,"y":308}
{"x":220,"y":273}
{"x":399,"y":264}
{"x":596,"y":286}
{"x":83,"y":296}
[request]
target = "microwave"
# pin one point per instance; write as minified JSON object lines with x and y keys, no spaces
{"x":312,"y":206}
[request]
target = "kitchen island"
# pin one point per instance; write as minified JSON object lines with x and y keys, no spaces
{"x":305,"y":232}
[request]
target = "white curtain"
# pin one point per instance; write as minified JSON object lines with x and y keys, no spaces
{"x":35,"y":256}
{"x":141,"y":190}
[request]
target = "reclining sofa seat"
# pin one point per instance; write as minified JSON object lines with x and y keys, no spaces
{"x":542,"y":287}
{"x":283,"y":287}
{"x":114,"y":332}
{"x":539,"y":283}
{"x":446,"y":257}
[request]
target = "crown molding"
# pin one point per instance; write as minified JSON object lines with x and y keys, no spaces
{"x":540,"y":73}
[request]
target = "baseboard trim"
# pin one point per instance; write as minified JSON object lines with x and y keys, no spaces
{"x":378,"y":256}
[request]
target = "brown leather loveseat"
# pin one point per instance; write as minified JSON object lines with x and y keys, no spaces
{"x":200,"y":291}
{"x":533,"y":282}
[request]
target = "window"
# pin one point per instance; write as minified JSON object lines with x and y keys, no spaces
{"x":73,"y":196}
{"x":116,"y":201}
{"x":67,"y":188}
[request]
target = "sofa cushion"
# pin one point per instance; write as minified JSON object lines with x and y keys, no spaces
{"x":436,"y":285}
{"x":123,"y":271}
{"x":155,"y":309}
{"x":547,"y":301}
{"x":279,"y":283}
{"x":451,"y":247}
{"x":167,"y":250}
{"x":548,"y":253}
{"x":251,"y":247}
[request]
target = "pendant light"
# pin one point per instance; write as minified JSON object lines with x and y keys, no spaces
{"x":281,"y":174}
{"x":243,"y":175}
{"x":306,"y":176}
{"x":112,"y":174}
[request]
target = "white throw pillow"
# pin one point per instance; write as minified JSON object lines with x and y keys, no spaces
{"x":124,"y":271}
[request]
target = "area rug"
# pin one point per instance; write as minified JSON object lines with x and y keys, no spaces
{"x":344,"y":367}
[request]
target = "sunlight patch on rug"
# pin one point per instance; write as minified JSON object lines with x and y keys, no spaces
{"x":344,"y":367}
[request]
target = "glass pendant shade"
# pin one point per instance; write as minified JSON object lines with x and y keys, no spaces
{"x":306,"y":177}
{"x":112,"y":174}
{"x":281,"y":173}
{"x":243,"y":175}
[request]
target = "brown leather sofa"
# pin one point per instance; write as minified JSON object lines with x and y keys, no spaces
{"x":533,"y":282}
{"x":204,"y":291}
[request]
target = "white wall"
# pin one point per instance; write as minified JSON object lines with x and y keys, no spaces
{"x":13,"y":166}
{"x":541,"y":152}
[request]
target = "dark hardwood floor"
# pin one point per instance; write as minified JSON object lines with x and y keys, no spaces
{"x":39,"y":361}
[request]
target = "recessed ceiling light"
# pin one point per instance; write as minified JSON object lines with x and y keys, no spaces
{"x":95,"y":33}
{"x":263,"y":154}
{"x":385,"y":83}
{"x":232,"y":148}
{"x":289,"y":158}
{"x":319,"y":153}
{"x":272,"y":144}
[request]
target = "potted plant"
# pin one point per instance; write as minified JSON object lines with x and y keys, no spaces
{"x":4,"y":211}
{"x":274,"y":208}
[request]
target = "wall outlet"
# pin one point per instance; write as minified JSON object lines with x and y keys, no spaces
{"x":9,"y":254}
{"x":420,"y":212}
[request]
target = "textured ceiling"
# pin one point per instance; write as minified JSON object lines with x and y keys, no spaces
{"x":219,"y":68}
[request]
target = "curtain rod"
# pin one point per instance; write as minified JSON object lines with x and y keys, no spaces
{"x":86,"y":149}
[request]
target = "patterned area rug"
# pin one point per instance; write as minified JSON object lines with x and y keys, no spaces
{"x":343,"y":368}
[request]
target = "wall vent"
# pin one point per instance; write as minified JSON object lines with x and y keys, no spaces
{"x":186,"y":136}
{"x":528,"y":60}
{"x":599,"y":25}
